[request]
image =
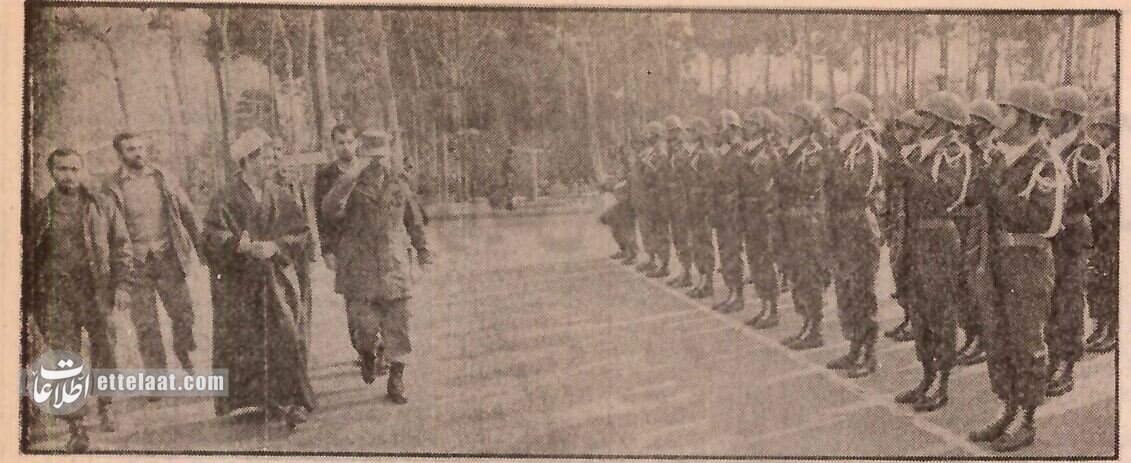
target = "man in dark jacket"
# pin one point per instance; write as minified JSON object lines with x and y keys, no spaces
{"x":77,"y":247}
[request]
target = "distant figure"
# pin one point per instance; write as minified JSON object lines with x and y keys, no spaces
{"x":508,"y":179}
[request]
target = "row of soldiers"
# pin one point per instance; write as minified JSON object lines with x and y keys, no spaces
{"x":1001,"y":218}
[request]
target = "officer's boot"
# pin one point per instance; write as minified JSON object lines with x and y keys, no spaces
{"x":696,"y":291}
{"x":293,"y":416}
{"x":1063,"y":383}
{"x":1097,"y":333}
{"x":811,"y":340}
{"x":736,"y":304}
{"x":848,"y":359}
{"x":932,"y":402}
{"x":381,"y":362}
{"x":753,"y":322}
{"x":395,"y":388}
{"x":900,"y":328}
{"x":1108,"y":342}
{"x":629,"y":257}
{"x":771,"y":319}
{"x":105,"y":421}
{"x":725,"y":301}
{"x":995,"y":429}
{"x":790,"y":341}
{"x":1019,"y":438}
{"x":368,"y":367}
{"x":974,"y":354}
{"x":660,"y":270}
{"x":79,"y":441}
{"x":619,"y":255}
{"x":644,"y":266}
{"x":915,"y":394}
{"x":682,"y":281}
{"x":867,"y":362}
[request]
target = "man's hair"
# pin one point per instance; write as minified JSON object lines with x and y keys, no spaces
{"x":60,"y":153}
{"x":341,"y":130}
{"x":121,"y":138}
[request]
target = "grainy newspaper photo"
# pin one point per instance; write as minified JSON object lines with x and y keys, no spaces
{"x":357,"y":230}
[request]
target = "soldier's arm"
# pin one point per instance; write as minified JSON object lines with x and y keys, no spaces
{"x":118,"y":238}
{"x":188,"y":214}
{"x":414,"y":224}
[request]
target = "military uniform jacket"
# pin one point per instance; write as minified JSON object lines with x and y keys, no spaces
{"x":803,"y":174}
{"x":1089,"y":184}
{"x":726,"y":184}
{"x":681,"y":177}
{"x":698,"y":179}
{"x":1024,"y":190}
{"x":939,"y":175}
{"x":758,"y":171}
{"x":857,"y":165}
{"x":637,"y":186}
{"x":654,"y":188}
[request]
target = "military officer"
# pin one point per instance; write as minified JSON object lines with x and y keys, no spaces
{"x":938,"y":176}
{"x":1103,"y":282}
{"x":699,"y":180}
{"x":1072,"y":247}
{"x":799,"y":187}
{"x":853,"y":196}
{"x":972,"y":222}
{"x":638,"y":196}
{"x":759,"y":227}
{"x":656,"y":240}
{"x":905,"y":131}
{"x":1025,"y":197}
{"x":679,"y":149}
{"x":728,"y":209}
{"x":618,"y":217}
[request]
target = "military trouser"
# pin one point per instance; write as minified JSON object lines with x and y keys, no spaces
{"x":936,"y":259}
{"x":160,"y":275}
{"x":699,"y":234}
{"x":975,"y":291}
{"x":70,"y":311}
{"x":619,"y":220}
{"x":680,"y":228}
{"x":1103,"y":278}
{"x":659,"y":220}
{"x":730,"y":228}
{"x":380,"y":324}
{"x":1015,"y":330}
{"x":1064,"y":333}
{"x":856,"y":255}
{"x":802,"y":255}
{"x":759,"y":237}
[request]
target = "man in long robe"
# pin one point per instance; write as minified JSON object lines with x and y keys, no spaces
{"x":255,"y":235}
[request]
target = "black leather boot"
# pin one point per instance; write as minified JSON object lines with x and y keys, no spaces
{"x":395,"y":389}
{"x":915,"y":394}
{"x":932,"y":402}
{"x":790,"y":341}
{"x":1019,"y":438}
{"x":995,"y":429}
{"x":1064,"y":382}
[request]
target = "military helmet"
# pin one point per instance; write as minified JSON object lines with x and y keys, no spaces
{"x":987,"y":110}
{"x":773,"y":122}
{"x":912,"y":118}
{"x":1070,"y":98}
{"x":856,"y":105}
{"x":755,"y":116}
{"x":700,"y":125}
{"x":807,"y":111}
{"x":729,"y":117}
{"x":673,"y":122}
{"x":1106,"y":116}
{"x":1031,"y":97}
{"x":946,"y":106}
{"x":654,"y":128}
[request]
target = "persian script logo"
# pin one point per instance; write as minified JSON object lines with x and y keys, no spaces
{"x":59,"y":382}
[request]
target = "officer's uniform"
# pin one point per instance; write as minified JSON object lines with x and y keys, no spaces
{"x":852,"y":193}
{"x":679,"y":200}
{"x":701,"y":244}
{"x":758,"y":206}
{"x":799,"y":187}
{"x":1103,"y":278}
{"x":728,"y":221}
{"x":895,"y":224}
{"x":638,"y":197}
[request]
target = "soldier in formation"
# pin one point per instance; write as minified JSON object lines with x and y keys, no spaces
{"x":1001,"y":220}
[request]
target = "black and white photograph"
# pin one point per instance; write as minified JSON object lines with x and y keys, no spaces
{"x":317,"y":230}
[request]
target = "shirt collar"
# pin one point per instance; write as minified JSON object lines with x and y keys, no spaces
{"x":1058,"y":144}
{"x":125,"y":173}
{"x":1012,"y":153}
{"x":928,"y":145}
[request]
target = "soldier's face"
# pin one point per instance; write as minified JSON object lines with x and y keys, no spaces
{"x":980,"y":128}
{"x":905,"y":134}
{"x":797,"y":126}
{"x":686,"y":136}
{"x":841,"y":120}
{"x":1062,"y":121}
{"x":67,"y":171}
{"x":1010,"y":116}
{"x":135,"y":152}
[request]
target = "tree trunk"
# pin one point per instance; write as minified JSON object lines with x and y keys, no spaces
{"x":832,"y":79}
{"x":1069,"y":49}
{"x":710,"y":75}
{"x":177,"y":116}
{"x":808,"y":63}
{"x":223,"y":76}
{"x":866,"y":84}
{"x":913,"y":71}
{"x":944,"y":54}
{"x":766,"y":73}
{"x":322,"y":106}
{"x":385,"y":73}
{"x":728,"y":86}
{"x":591,"y":112}
{"x":991,"y":65}
{"x":119,"y":87}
